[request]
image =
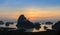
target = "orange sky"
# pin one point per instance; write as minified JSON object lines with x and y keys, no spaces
{"x":37,"y":13}
{"x":33,"y":13}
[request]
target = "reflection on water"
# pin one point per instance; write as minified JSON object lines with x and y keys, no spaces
{"x":42,"y":28}
{"x":11,"y":26}
{"x":31,"y":30}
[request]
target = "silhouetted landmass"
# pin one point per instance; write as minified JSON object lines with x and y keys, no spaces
{"x":45,"y":27}
{"x":56,"y":26}
{"x":48,"y":23}
{"x":37,"y":25}
{"x":24,"y":23}
{"x":8,"y":23}
{"x":1,"y":22}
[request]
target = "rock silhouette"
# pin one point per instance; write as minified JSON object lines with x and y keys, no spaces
{"x":37,"y":25}
{"x":49,"y":23}
{"x":24,"y":23}
{"x":1,"y":22}
{"x":45,"y":27}
{"x":56,"y":26}
{"x":7,"y":24}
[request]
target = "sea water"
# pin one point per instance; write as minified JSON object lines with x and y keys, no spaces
{"x":31,"y":30}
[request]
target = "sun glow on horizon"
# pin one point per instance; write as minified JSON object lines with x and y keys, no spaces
{"x":34,"y":13}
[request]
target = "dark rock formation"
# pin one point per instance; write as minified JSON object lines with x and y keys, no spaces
{"x":37,"y":26}
{"x":24,"y":23}
{"x":48,"y":23}
{"x":45,"y":27}
{"x":1,"y":22}
{"x":8,"y":23}
{"x":56,"y":26}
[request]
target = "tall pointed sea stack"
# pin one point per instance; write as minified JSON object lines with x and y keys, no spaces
{"x":24,"y":23}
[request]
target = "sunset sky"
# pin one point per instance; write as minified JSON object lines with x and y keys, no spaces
{"x":32,"y":9}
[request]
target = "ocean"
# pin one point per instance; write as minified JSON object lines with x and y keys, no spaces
{"x":30,"y":30}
